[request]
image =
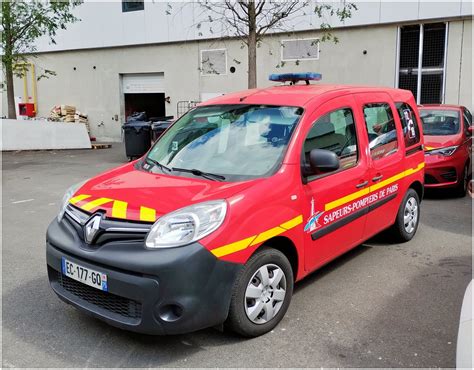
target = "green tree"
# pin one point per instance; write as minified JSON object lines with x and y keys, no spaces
{"x":23,"y":22}
{"x":250,"y":20}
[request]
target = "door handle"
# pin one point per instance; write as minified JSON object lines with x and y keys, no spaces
{"x":377,"y":178}
{"x":362,"y":184}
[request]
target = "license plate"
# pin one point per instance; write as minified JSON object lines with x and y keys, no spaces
{"x":85,"y":275}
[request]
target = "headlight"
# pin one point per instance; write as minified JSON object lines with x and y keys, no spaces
{"x":187,"y":225}
{"x":446,"y":152}
{"x":67,"y":196}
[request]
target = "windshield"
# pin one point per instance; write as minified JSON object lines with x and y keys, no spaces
{"x":438,"y":122}
{"x":234,"y":142}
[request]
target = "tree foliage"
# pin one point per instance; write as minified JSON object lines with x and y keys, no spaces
{"x":23,"y":22}
{"x":272,"y":15}
{"x":251,"y":20}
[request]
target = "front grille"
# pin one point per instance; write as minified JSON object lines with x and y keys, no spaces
{"x":110,"y":302}
{"x":449,"y":175}
{"x":430,"y":180}
{"x":110,"y":230}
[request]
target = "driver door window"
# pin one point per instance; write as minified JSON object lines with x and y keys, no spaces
{"x":336,"y":132}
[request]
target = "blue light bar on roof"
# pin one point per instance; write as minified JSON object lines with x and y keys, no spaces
{"x":295,"y":77}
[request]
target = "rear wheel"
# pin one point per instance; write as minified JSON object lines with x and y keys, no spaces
{"x":408,"y":217}
{"x":461,"y":188}
{"x":262,"y":294}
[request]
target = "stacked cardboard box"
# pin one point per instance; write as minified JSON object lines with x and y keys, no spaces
{"x":68,"y":113}
{"x":82,"y":118}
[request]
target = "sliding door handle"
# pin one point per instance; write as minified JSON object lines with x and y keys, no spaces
{"x":377,"y":178}
{"x":362,"y":184}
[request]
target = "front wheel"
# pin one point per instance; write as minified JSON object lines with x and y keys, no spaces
{"x":408,"y":217}
{"x":461,"y":188}
{"x":262,"y":293}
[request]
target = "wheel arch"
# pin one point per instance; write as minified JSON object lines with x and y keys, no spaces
{"x":286,"y":246}
{"x":419,"y":188}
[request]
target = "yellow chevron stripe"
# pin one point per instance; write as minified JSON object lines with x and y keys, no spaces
{"x":338,"y":202}
{"x":147,"y":214}
{"x":78,"y":198}
{"x":268,"y":234}
{"x":95,"y":203}
{"x":292,"y":223}
{"x":119,"y":209}
{"x":232,"y":247}
{"x":346,"y":199}
{"x":257,"y":239}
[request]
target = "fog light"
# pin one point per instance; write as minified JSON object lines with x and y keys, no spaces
{"x":170,"y":312}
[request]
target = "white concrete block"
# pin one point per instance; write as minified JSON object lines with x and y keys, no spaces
{"x":41,"y":135}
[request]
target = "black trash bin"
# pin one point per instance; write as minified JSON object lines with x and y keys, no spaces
{"x":137,"y":138}
{"x":137,"y":116}
{"x":157,"y":129}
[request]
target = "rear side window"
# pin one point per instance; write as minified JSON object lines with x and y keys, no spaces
{"x":381,"y":130}
{"x":336,"y":132}
{"x":411,"y":130}
{"x":467,"y":117}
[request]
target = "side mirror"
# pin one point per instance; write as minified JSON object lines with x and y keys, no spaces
{"x":469,"y":130}
{"x":322,"y":161}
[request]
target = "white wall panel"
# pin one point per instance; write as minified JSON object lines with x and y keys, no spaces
{"x":103,"y":23}
{"x":439,"y":9}
{"x":398,"y":12}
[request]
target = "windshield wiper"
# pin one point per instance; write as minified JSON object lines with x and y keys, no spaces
{"x":195,"y":172}
{"x":156,"y":163}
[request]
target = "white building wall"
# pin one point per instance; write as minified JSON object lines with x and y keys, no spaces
{"x":103,"y":24}
{"x":97,"y":92}
{"x":459,"y":64}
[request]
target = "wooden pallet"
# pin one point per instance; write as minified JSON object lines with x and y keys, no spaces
{"x":101,"y":146}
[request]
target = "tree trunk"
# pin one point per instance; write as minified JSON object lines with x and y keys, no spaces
{"x":10,"y":91}
{"x":7,"y":58}
{"x":252,"y":46}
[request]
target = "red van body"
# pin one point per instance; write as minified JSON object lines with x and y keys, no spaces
{"x":303,"y":214}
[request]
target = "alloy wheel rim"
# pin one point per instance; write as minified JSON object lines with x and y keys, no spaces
{"x":265,"y":294}
{"x":410,"y":215}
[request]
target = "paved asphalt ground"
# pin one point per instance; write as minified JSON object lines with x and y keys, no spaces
{"x":380,"y":305}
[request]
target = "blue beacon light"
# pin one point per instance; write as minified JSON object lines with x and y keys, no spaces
{"x":295,"y":77}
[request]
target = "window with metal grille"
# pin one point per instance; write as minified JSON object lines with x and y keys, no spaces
{"x":300,"y":49}
{"x":131,"y":6}
{"x":421,"y":66}
{"x":214,"y":62}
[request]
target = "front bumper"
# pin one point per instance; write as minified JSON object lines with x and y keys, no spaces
{"x":166,"y":291}
{"x":444,"y":172}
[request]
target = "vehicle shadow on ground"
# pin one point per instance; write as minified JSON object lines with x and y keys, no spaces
{"x":330,"y":267}
{"x":38,"y":317}
{"x":433,"y":342}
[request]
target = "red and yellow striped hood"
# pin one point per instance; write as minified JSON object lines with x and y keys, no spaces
{"x":128,"y":193}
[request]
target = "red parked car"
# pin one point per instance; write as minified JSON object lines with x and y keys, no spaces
{"x":239,"y":199}
{"x":448,"y":146}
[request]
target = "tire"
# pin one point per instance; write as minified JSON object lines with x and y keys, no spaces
{"x":461,"y":188}
{"x":408,"y":217}
{"x":248,"y":315}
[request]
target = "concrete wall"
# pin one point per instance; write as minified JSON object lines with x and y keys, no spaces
{"x":42,"y":135}
{"x":97,"y":92}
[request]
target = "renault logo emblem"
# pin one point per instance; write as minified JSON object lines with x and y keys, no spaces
{"x":91,"y":228}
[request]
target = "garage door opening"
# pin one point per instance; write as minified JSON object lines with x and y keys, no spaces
{"x":144,"y":92}
{"x":153,"y":104}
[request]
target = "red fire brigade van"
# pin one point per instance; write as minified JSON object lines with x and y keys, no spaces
{"x":239,"y":199}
